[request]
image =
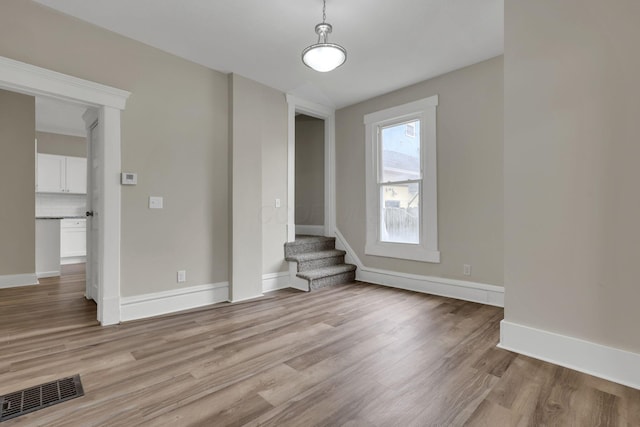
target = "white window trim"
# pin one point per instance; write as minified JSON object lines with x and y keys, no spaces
{"x":427,"y":250}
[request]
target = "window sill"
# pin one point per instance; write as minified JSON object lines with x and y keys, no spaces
{"x":400,"y":251}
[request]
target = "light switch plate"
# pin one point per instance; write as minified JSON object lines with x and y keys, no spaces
{"x":155,"y":202}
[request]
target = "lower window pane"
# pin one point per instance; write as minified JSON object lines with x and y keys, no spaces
{"x":400,"y":213}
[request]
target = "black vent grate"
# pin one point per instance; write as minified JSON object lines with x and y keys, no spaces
{"x":31,"y":399}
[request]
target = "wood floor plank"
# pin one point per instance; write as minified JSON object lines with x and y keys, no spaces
{"x":351,"y":355}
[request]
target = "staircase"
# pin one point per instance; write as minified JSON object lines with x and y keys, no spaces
{"x":319,"y":262}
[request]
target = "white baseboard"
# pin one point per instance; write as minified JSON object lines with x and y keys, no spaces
{"x":459,"y":289}
{"x":296,"y":282}
{"x":43,"y":274}
{"x":311,"y":230}
{"x":73,"y":260}
{"x":15,"y":280}
{"x":594,"y":359}
{"x":158,"y":303}
{"x":275,"y":281}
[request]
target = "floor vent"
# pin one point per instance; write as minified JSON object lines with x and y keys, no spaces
{"x":32,"y":399}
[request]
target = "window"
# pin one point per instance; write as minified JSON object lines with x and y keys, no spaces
{"x":402,"y":213}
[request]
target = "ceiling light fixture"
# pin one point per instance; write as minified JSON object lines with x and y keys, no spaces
{"x":324,"y":56}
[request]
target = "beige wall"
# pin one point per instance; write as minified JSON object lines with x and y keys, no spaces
{"x":570,"y":161}
{"x":62,"y":145}
{"x":17,"y":191}
{"x":259,"y":176}
{"x":309,"y":170}
{"x":470,"y":192}
{"x":174,"y":135}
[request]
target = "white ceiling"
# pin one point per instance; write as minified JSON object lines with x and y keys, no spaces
{"x":55,"y":116}
{"x":390,"y":44}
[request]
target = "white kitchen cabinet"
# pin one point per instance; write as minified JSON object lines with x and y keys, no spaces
{"x":76,"y":175}
{"x":50,"y":174}
{"x":47,"y":247}
{"x":73,"y":238}
{"x":61,"y":174}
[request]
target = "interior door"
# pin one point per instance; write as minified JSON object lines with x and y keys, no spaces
{"x":93,"y":192}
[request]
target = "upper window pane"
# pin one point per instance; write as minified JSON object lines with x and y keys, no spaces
{"x":400,"y":150}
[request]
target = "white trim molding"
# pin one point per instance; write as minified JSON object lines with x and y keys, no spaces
{"x":610,"y":363}
{"x":159,"y":303}
{"x":426,"y":250}
{"x":28,"y":79}
{"x":299,"y":105}
{"x":275,"y":281}
{"x":296,"y":282}
{"x":43,"y":274}
{"x":310,"y":230}
{"x":73,"y":260}
{"x":15,"y":280}
{"x":459,"y":289}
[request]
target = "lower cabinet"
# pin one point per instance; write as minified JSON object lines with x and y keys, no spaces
{"x":47,"y":247}
{"x":73,"y":238}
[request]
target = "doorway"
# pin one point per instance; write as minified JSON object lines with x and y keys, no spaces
{"x":107,"y":103}
{"x":309,"y":175}
{"x":326,"y":115}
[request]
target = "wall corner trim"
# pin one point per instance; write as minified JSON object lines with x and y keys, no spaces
{"x":275,"y":281}
{"x":460,"y":289}
{"x":165,"y":302}
{"x":15,"y":280}
{"x":610,"y":363}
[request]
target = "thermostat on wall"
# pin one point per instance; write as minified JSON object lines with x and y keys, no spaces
{"x":129,"y":178}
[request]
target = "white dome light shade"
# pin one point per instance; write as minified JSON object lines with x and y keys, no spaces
{"x":324,"y":57}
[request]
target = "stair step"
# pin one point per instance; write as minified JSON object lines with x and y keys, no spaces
{"x":326,"y":271}
{"x":304,"y":244}
{"x":318,"y":261}
{"x":311,"y":256}
{"x":338,"y":279}
{"x":321,"y":259}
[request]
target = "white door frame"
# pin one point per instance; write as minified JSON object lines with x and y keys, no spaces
{"x":31,"y":80}
{"x":299,"y":105}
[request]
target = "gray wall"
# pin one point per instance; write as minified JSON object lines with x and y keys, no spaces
{"x":174,"y":135}
{"x":309,"y":170}
{"x":571,"y":168}
{"x":17,"y":191}
{"x":470,"y":181}
{"x":61,"y":145}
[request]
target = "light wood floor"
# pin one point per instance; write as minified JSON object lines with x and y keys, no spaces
{"x":354,"y":355}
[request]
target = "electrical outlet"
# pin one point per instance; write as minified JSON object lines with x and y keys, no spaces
{"x":466,"y":269}
{"x":182,"y":276}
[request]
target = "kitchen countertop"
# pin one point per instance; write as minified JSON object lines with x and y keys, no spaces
{"x":61,"y":217}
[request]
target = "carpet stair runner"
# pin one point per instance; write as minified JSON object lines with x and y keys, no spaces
{"x":319,"y":262}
